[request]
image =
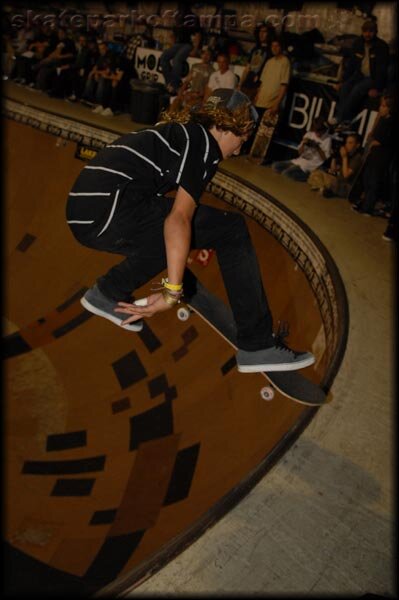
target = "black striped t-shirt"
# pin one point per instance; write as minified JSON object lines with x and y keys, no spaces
{"x":151,"y":162}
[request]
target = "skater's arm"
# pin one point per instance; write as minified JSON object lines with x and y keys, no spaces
{"x":177,"y":234}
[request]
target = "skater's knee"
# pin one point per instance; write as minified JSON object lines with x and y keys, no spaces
{"x":236,"y":219}
{"x":237,"y":225}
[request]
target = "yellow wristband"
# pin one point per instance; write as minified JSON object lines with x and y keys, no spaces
{"x":172,"y":286}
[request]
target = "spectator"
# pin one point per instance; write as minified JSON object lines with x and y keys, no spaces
{"x":113,"y":88}
{"x":147,"y":37}
{"x":22,"y":39}
{"x":193,"y":88}
{"x":274,"y":78}
{"x":128,"y":60}
{"x":36,"y":51}
{"x":197,"y":41}
{"x":63,"y":54}
{"x":7,"y":54}
{"x":274,"y":81}
{"x":365,"y":74}
{"x":313,"y":150}
{"x":392,"y":70}
{"x":380,"y":144}
{"x":50,"y":33}
{"x":79,"y":78}
{"x":338,"y":180}
{"x":186,"y":43}
{"x":234,"y":50}
{"x":391,"y":231}
{"x":92,"y":92}
{"x":222,"y":78}
{"x":71,"y":77}
{"x":215,"y":44}
{"x":250,"y":79}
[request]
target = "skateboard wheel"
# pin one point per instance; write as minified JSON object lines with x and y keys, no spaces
{"x":267,"y":393}
{"x":183,"y":314}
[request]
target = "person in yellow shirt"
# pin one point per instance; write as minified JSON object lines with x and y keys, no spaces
{"x":275,"y":78}
{"x":260,"y":53}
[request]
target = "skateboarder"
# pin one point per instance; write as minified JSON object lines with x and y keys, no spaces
{"x":118,"y":204}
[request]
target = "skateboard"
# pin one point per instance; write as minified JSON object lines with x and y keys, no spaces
{"x":263,"y":137}
{"x":218,"y":315}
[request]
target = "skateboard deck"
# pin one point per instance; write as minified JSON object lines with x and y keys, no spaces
{"x":219,"y":316}
{"x":211,"y":309}
{"x":263,"y":137}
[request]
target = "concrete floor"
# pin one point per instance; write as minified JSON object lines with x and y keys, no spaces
{"x":322,"y":520}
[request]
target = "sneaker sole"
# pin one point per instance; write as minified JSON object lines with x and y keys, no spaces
{"x":114,"y":320}
{"x":280,"y":367}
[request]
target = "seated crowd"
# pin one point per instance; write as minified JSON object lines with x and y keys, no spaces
{"x":87,"y":68}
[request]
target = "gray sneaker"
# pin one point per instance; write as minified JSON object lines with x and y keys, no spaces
{"x":276,"y":358}
{"x":100,"y":305}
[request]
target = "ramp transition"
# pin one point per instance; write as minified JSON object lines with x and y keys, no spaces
{"x":122,"y":448}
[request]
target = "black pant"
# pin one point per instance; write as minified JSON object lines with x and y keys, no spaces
{"x":136,"y":232}
{"x":374,"y":174}
{"x":393,"y":194}
{"x":114,"y":97}
{"x":45,"y":74}
{"x":23,"y":68}
{"x":69,"y":81}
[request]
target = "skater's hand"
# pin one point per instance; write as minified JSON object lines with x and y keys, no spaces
{"x":156,"y":303}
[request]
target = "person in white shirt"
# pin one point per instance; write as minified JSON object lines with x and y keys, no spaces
{"x":313,"y":150}
{"x":224,"y":77}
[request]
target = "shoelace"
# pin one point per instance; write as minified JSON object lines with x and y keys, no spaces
{"x":283,"y":330}
{"x":281,"y":333}
{"x":281,"y":346}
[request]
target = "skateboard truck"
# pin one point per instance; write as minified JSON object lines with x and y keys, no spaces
{"x":185,"y":312}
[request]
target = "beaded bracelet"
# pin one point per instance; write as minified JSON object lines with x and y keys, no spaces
{"x":171,"y":299}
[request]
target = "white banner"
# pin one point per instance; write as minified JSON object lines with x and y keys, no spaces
{"x":148,"y":66}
